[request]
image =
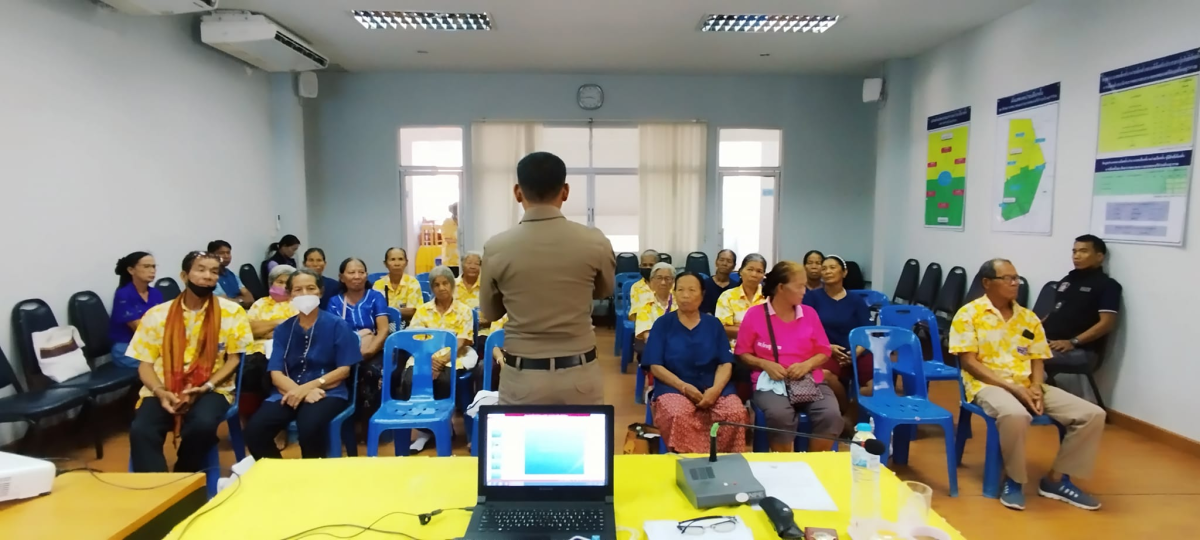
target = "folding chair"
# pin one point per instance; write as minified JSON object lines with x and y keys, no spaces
{"x":168,"y":287}
{"x":906,"y":286}
{"x":930,"y":283}
{"x":251,"y":281}
{"x":665,"y":257}
{"x":627,"y":263}
{"x":697,"y":261}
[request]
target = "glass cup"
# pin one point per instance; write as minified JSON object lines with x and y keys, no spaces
{"x":914,"y":501}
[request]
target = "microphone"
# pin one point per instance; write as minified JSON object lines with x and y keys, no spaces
{"x":872,"y":446}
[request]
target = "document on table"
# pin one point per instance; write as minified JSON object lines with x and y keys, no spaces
{"x":794,"y":483}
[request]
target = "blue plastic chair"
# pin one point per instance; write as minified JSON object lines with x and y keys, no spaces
{"x":906,"y":317}
{"x":339,"y":429}
{"x":372,"y":278}
{"x":464,"y":379}
{"x":426,"y":296}
{"x":421,"y":410}
{"x":625,"y":326}
{"x":623,"y":284}
{"x":874,"y":300}
{"x":495,"y":339}
{"x":426,"y":289}
{"x":901,"y":414}
{"x":993,"y":461}
{"x":212,"y":471}
{"x":395,"y":321}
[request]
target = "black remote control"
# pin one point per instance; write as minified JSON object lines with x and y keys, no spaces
{"x":781,"y":516}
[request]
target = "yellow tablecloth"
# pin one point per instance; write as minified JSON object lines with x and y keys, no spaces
{"x":426,"y":257}
{"x":278,"y":498}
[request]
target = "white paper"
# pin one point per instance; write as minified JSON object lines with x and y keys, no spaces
{"x":794,"y":483}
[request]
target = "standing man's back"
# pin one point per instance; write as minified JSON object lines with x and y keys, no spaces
{"x":544,"y":273}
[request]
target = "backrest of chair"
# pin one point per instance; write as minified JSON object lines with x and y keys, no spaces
{"x":854,"y":277}
{"x":426,"y":288}
{"x":1023,"y":292}
{"x":1045,"y":300}
{"x":975,"y":291}
{"x":8,"y":375}
{"x":665,"y":257}
{"x":372,"y":278}
{"x":882,"y":341}
{"x":475,"y":317}
{"x":394,"y":319}
{"x":168,"y":287}
{"x":421,"y":343}
{"x":626,"y":263}
{"x":495,"y":339}
{"x":930,"y":283}
{"x":908,"y":317}
{"x":874,"y":300}
{"x":623,"y":285}
{"x":426,"y":296}
{"x":906,"y":286}
{"x":697,"y":261}
{"x":30,"y":316}
{"x":950,"y":298}
{"x":423,"y":277}
{"x":86,"y":312}
{"x":251,"y":281}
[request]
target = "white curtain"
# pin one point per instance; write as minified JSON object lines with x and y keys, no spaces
{"x":496,"y":147}
{"x":671,"y":172}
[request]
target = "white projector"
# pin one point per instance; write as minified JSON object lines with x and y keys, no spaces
{"x":24,"y":477}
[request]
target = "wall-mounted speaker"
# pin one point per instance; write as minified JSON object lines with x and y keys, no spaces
{"x":306,"y":84}
{"x":872,"y":90}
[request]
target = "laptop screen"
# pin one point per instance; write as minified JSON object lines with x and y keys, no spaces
{"x":546,"y":449}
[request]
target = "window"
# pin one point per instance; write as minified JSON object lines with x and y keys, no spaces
{"x":431,"y":160}
{"x":748,"y":165}
{"x":602,"y":170}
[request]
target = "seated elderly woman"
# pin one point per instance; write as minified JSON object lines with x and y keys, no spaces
{"x":467,"y":288}
{"x":365,"y":309}
{"x":311,"y":357}
{"x":661,"y":301}
{"x":134,"y":296}
{"x":689,"y":356}
{"x":722,"y":280}
{"x":265,"y":315}
{"x":402,"y":291}
{"x":314,"y":259}
{"x":841,"y":312}
{"x":784,"y":340}
{"x":443,"y":313}
{"x":733,"y":303}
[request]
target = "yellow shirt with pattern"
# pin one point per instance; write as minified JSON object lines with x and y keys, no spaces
{"x":733,"y":304}
{"x":650,"y":312}
{"x":498,"y":325}
{"x":1001,"y":346}
{"x":458,"y":320}
{"x":267,"y":309}
{"x":408,"y":294}
{"x":234,"y":337}
{"x":639,"y":294}
{"x":467,"y":294}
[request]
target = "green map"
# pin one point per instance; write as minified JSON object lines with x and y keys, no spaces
{"x":1023,"y":172}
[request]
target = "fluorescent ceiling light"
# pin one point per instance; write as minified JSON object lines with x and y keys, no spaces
{"x":768,"y":23}
{"x":422,"y":20}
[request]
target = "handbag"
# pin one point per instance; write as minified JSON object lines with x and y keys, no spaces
{"x":800,"y":391}
{"x":59,"y":353}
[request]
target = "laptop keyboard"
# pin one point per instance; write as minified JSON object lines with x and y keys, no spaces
{"x":557,"y":519}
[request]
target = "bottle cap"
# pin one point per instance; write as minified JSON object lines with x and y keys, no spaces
{"x":863,"y":427}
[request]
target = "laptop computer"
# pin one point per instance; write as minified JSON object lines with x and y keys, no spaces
{"x":545,"y":473}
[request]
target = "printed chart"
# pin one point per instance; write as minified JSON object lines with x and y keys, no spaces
{"x":1027,"y":140}
{"x":1144,"y":152}
{"x":946,"y":168}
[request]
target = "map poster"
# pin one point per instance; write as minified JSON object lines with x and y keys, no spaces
{"x":1027,"y":139}
{"x":946,"y":168}
{"x":1144,"y":150}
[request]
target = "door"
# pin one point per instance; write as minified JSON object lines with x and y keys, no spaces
{"x":749,"y":208}
{"x":427,"y":199}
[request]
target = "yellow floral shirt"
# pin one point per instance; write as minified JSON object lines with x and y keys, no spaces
{"x":267,"y":309}
{"x":407,"y":295}
{"x":458,"y":320}
{"x":650,"y":312}
{"x":234,"y":336}
{"x":639,"y":294}
{"x":732,"y":305}
{"x":1001,"y":346}
{"x":497,"y":325}
{"x":467,"y":294}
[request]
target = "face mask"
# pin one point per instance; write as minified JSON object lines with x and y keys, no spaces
{"x":645,"y":273}
{"x":306,"y":304}
{"x":201,"y":290}
{"x":278,"y":294}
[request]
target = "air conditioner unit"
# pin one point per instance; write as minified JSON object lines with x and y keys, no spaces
{"x":260,"y":42}
{"x":161,"y":7}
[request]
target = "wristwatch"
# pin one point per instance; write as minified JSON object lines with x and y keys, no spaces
{"x":1074,"y":342}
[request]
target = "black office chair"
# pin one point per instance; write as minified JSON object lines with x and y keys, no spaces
{"x":854,"y":277}
{"x":85,"y":311}
{"x":950,"y":298}
{"x":168,"y":288}
{"x":627,"y":262}
{"x":250,"y":281}
{"x":930,"y":283}
{"x":1023,"y":293}
{"x":697,"y":261}
{"x":1045,"y":300}
{"x":975,"y":291}
{"x":665,"y":257}
{"x":32,"y":406}
{"x":906,"y":286}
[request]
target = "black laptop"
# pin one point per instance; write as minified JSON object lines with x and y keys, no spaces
{"x":545,"y":473}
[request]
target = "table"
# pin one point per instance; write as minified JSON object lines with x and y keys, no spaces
{"x":82,"y":506}
{"x":282,"y":498}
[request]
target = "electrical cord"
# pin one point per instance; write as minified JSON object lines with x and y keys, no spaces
{"x":424,"y":519}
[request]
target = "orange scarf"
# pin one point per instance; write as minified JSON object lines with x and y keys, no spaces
{"x":175,"y":342}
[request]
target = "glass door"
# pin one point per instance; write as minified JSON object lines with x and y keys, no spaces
{"x":749,"y":206}
{"x":427,"y":199}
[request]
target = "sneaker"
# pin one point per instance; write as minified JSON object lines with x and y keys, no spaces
{"x":1011,"y":496}
{"x":1067,"y":492}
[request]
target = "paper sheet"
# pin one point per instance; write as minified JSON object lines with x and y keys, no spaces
{"x":794,"y":483}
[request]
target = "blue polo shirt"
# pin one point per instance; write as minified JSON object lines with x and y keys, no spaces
{"x":330,"y":344}
{"x":838,"y":317}
{"x":692,"y":355}
{"x":361,"y":315}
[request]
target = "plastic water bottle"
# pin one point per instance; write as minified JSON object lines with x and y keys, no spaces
{"x":864,"y":489}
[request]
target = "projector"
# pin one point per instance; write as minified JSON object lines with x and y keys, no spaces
{"x":24,"y":477}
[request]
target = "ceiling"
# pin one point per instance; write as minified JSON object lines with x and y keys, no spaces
{"x":630,"y":36}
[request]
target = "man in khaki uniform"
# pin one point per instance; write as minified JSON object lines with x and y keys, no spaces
{"x":544,"y":274}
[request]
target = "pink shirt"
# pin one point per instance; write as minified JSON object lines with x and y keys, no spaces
{"x":797,"y":341}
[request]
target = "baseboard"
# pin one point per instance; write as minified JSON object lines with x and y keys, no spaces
{"x":1155,"y":433}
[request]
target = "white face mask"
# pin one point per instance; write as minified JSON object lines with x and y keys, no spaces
{"x":305,"y":304}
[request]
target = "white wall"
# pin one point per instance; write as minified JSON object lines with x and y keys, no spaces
{"x":119,"y":134}
{"x":1150,"y":369}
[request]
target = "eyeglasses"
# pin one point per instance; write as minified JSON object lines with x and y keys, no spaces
{"x":1011,"y":280}
{"x":664,"y":279}
{"x":699,"y":526}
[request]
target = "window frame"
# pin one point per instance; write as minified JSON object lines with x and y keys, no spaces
{"x":431,"y":170}
{"x":776,"y":172}
{"x":591,"y":172}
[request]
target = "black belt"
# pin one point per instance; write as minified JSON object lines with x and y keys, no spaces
{"x":545,"y":364}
